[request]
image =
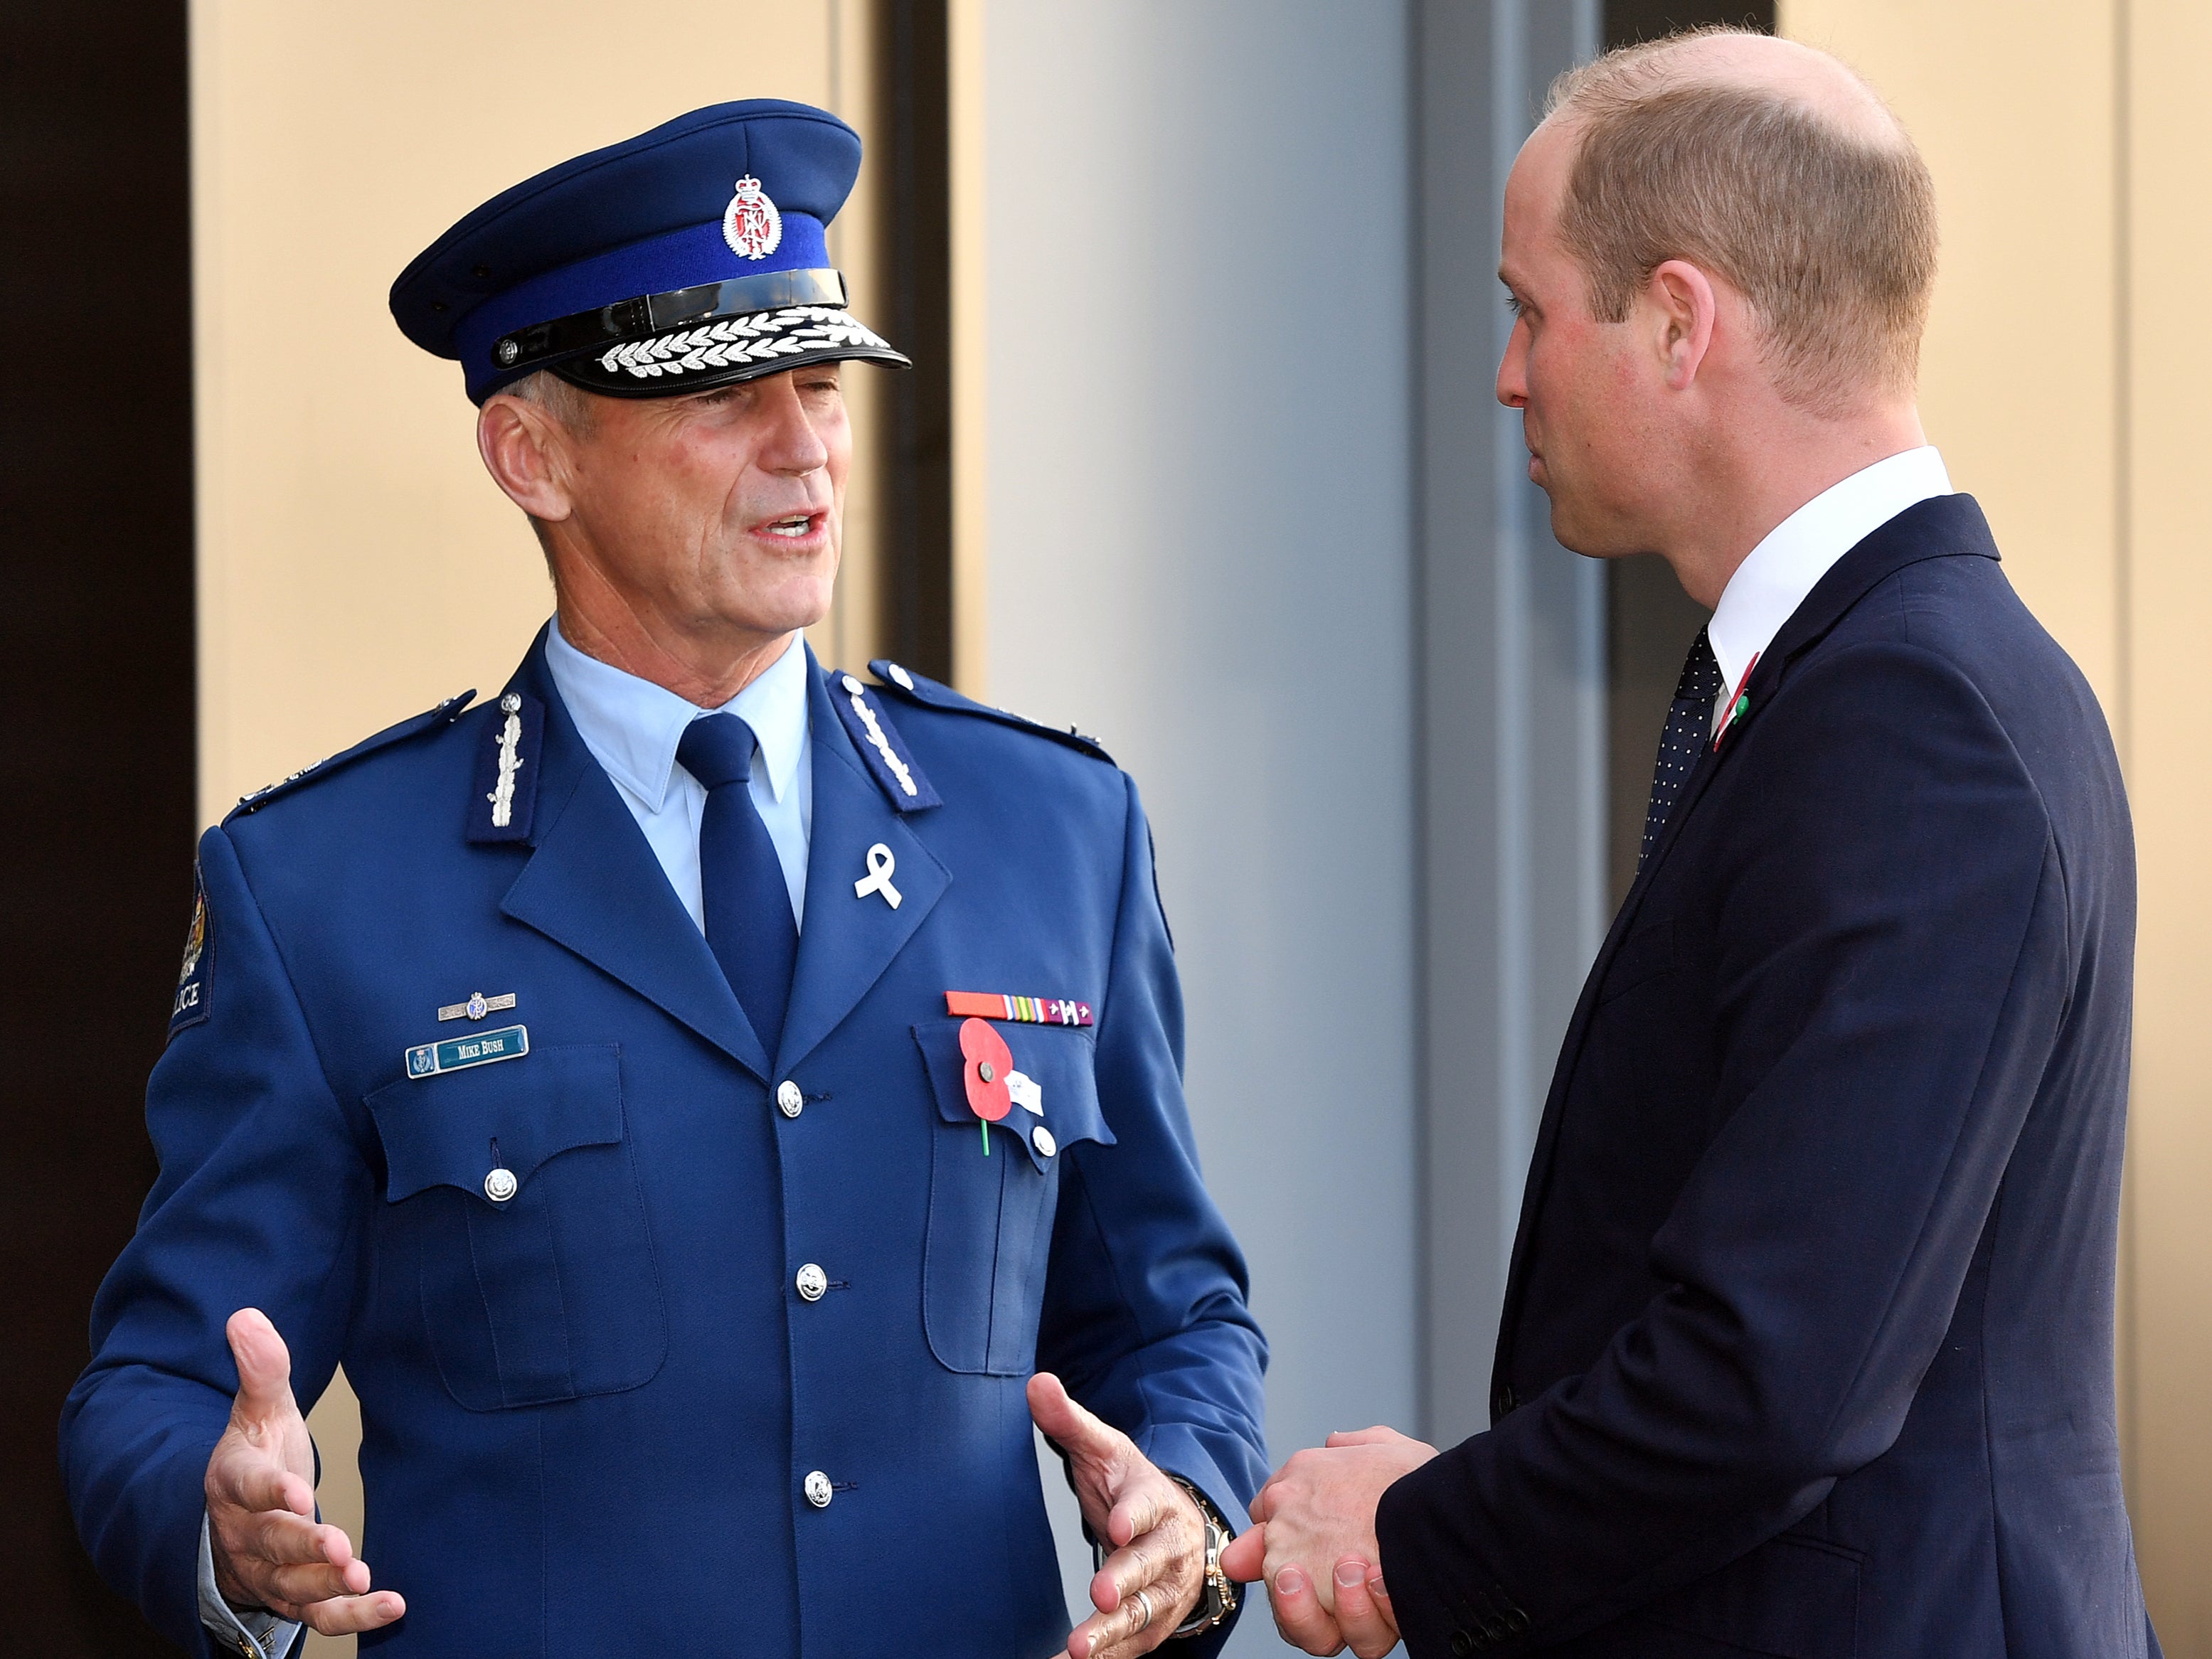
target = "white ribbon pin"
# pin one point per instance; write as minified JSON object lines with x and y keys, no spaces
{"x":878,"y":879}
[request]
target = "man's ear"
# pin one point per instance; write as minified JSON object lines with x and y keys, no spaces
{"x":1681,"y":308}
{"x":526,"y":450}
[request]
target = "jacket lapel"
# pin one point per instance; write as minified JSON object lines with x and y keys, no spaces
{"x":849,"y":938}
{"x":594,"y":886}
{"x":1943,"y":527}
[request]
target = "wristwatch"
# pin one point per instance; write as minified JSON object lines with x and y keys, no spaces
{"x":1219,"y":1600}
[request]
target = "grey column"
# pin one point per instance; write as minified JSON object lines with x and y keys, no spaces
{"x":1510,"y":758}
{"x":1201,"y":507}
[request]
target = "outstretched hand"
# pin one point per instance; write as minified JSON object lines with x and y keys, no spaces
{"x":1153,"y":1578}
{"x":269,"y":1550}
{"x":1313,"y":1541}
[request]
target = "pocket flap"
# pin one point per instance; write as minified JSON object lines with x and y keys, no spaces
{"x":1059,"y":1060}
{"x":437,"y":1131}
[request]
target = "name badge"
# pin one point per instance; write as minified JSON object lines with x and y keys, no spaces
{"x":458,"y":1054}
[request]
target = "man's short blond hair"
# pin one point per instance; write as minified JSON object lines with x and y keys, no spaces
{"x":1828,"y":233}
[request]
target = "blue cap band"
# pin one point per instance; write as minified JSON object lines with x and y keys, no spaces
{"x":682,"y":258}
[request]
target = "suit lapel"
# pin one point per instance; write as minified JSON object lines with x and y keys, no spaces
{"x":594,"y":886}
{"x":1943,"y":527}
{"x":849,"y":938}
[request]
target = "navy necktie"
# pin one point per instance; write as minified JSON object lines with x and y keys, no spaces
{"x":1689,"y":729}
{"x":741,"y":889}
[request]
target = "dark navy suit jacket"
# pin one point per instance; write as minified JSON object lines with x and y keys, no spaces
{"x":1807,"y":1346}
{"x":589,"y":1413}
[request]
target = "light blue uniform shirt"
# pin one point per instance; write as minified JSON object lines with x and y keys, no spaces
{"x":632,"y":727}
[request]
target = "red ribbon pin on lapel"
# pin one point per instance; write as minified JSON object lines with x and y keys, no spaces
{"x":988,"y":1062}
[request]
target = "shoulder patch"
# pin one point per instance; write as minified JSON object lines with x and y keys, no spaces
{"x":503,"y":805}
{"x":889,"y":761}
{"x":931,"y":694}
{"x":443,"y":715}
{"x":191,"y":1005}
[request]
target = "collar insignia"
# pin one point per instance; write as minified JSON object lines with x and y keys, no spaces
{"x":503,"y":803}
{"x":890,"y":761}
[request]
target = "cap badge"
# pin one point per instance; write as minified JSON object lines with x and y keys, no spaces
{"x":750,"y":224}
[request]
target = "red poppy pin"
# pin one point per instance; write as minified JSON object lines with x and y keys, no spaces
{"x":988,"y":1062}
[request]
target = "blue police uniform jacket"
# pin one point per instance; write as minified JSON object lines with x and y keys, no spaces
{"x":590,"y":1413}
{"x":1806,"y":1347}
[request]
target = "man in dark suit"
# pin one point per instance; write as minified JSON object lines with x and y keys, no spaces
{"x":1807,"y":1345}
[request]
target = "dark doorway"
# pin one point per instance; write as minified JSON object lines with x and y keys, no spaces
{"x":915,"y":229}
{"x":96,"y":715}
{"x":1649,"y":620}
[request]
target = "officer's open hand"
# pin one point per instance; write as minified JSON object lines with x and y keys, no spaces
{"x":269,"y":1550}
{"x":1313,"y":1541}
{"x":1159,"y":1536}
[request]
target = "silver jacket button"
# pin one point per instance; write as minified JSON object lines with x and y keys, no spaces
{"x":1040,"y":1138}
{"x":812,"y":1282}
{"x":818,"y":1490}
{"x":500,"y":1185}
{"x":788,"y":1100}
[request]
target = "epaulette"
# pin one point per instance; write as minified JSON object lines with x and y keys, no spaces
{"x":444,"y":714}
{"x":919,"y":688}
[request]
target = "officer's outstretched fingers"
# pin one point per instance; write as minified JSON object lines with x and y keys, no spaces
{"x":1100,"y":1456}
{"x":343,"y":1615}
{"x":1299,"y":1616}
{"x":1148,"y":1586}
{"x":1364,"y":1622}
{"x":268,"y":1549}
{"x":1066,"y":1423}
{"x":264,"y":1365}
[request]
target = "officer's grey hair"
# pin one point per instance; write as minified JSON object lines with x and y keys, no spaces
{"x":1823,"y":218}
{"x":570,"y":405}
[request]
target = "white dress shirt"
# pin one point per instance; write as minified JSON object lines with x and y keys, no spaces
{"x":632,"y":727}
{"x":1770,"y":585}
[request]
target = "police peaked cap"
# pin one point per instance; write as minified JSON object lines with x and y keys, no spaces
{"x":688,"y":256}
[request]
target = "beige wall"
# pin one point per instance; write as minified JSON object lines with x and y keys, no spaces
{"x":2168,"y":584}
{"x":355,"y":565}
{"x":2065,"y":382}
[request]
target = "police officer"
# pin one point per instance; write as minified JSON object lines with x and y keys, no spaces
{"x":691,"y":1093}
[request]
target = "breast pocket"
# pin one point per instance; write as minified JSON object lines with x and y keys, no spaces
{"x":549,"y":1294}
{"x":1645,"y":956}
{"x":990,"y":1216}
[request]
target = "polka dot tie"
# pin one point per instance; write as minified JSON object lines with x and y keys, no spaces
{"x":1689,"y":730}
